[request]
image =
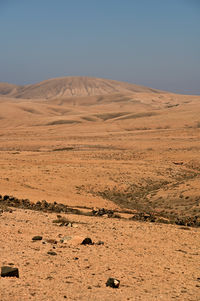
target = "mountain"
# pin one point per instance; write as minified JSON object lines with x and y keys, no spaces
{"x":8,"y":89}
{"x":71,"y":86}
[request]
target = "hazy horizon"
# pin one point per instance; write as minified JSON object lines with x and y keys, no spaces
{"x":151,"y":44}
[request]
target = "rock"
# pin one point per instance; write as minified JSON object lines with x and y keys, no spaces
{"x":112,"y":282}
{"x":7,"y":271}
{"x":163,"y":220}
{"x":65,"y":239}
{"x":102,"y":211}
{"x":37,"y":237}
{"x":44,"y":204}
{"x":87,"y":241}
{"x":69,"y":225}
{"x":100,"y":242}
{"x":52,"y":241}
{"x":178,"y":163}
{"x":52,"y":253}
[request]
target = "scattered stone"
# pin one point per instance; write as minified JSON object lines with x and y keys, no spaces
{"x":145,"y":217}
{"x":89,"y":287}
{"x":65,"y":239}
{"x":51,"y":241}
{"x":100,"y":242}
{"x":112,"y":282}
{"x":7,"y":271}
{"x":62,"y":221}
{"x":11,"y":201}
{"x":52,"y":253}
{"x":37,"y":237}
{"x":178,"y":163}
{"x":162,"y":220}
{"x":49,"y":278}
{"x":6,"y":197}
{"x":87,"y":241}
{"x":102,"y":211}
{"x":69,"y":225}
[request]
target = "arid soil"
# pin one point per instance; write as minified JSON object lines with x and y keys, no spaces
{"x":115,"y":147}
{"x":152,"y":261}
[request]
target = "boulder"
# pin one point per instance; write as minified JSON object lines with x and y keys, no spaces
{"x":113,"y":282}
{"x":7,"y":271}
{"x":87,"y":241}
{"x":52,"y":253}
{"x":37,"y":237}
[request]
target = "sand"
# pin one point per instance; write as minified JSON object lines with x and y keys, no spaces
{"x":116,"y":147}
{"x":152,"y":261}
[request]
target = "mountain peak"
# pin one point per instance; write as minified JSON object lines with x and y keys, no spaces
{"x":72,"y":86}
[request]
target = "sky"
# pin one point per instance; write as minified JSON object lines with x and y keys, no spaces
{"x":154,"y":43}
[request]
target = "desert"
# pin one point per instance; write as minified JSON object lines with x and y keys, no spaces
{"x":118,"y":163}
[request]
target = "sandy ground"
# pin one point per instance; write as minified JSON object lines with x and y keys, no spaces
{"x":152,"y":261}
{"x":124,"y":150}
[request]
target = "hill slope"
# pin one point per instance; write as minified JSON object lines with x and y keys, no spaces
{"x":8,"y":89}
{"x":71,"y":86}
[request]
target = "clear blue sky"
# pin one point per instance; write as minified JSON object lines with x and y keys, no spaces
{"x":150,"y":42}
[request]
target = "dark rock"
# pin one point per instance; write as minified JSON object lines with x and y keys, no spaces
{"x":87,"y":241}
{"x":6,"y":197}
{"x":49,"y":278}
{"x":52,"y":253}
{"x":38,"y":204}
{"x":146,"y":217}
{"x":113,"y":282}
{"x":52,"y":241}
{"x":102,"y":211}
{"x":7,"y":271}
{"x":37,"y":238}
{"x":44,"y":204}
{"x":100,"y":242}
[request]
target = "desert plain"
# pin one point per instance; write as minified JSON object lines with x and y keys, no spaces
{"x":91,"y":143}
